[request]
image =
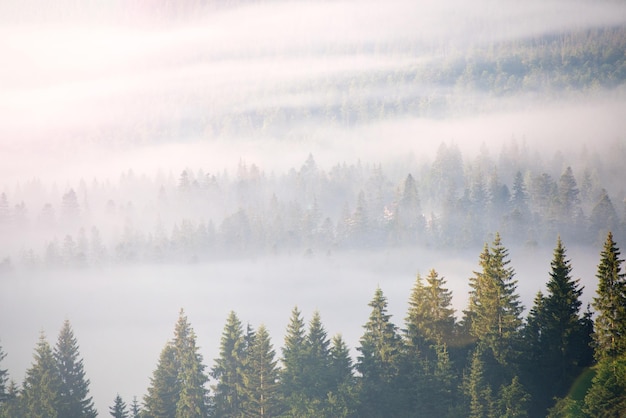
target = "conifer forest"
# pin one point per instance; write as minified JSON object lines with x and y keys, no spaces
{"x":312,"y":208}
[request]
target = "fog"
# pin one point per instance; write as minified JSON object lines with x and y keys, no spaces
{"x":113,"y":100}
{"x":123,"y":316}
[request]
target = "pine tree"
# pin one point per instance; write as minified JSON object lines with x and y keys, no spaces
{"x":164,"y":390}
{"x":263,"y":399}
{"x":41,"y":390}
{"x":118,"y":410}
{"x":135,"y":410}
{"x":494,"y":311}
{"x":559,"y":339}
{"x":317,"y":366}
{"x":12,"y":406}
{"x":292,"y":375}
{"x":342,"y":399}
{"x":513,"y":400}
{"x":177,"y":385}
{"x":74,"y":401}
{"x":477,"y":388}
{"x":4,"y":377}
{"x":607,"y":395}
{"x":229,"y":370}
{"x":610,"y":303}
{"x":192,"y":402}
{"x":431,"y":316}
{"x":382,"y":394}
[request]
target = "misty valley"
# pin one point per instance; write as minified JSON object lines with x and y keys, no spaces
{"x":303,"y":208}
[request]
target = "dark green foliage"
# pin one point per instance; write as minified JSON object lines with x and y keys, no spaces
{"x":229,"y":370}
{"x":513,"y":401}
{"x":610,"y":304}
{"x":557,"y":337}
{"x":74,"y":399}
{"x":343,"y":398}
{"x":118,"y":410}
{"x":607,"y":396}
{"x":41,"y":391}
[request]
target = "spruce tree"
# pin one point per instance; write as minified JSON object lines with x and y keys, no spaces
{"x":118,"y":410}
{"x":431,"y":316}
{"x":292,"y":375}
{"x":607,"y":395}
{"x":342,"y":400}
{"x":135,"y":409}
{"x":192,"y":402}
{"x":610,"y":303}
{"x":4,"y":377}
{"x":317,"y":366}
{"x":229,"y":370}
{"x":494,"y":309}
{"x":477,"y":388}
{"x":13,"y":405}
{"x":379,"y":362}
{"x":263,"y":400}
{"x":559,"y":341}
{"x":41,"y":391}
{"x":164,"y":389}
{"x":177,"y":385}
{"x":74,"y":399}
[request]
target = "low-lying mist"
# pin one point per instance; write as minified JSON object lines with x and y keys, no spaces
{"x":123,"y":316}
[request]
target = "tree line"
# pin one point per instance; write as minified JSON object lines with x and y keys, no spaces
{"x":558,"y":361}
{"x":308,"y":210}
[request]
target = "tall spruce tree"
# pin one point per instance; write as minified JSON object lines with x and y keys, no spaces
{"x":74,"y":399}
{"x":177,"y":385}
{"x":494,"y":313}
{"x":342,"y":400}
{"x":317,"y":365}
{"x":379,"y":362}
{"x":192,"y":399}
{"x":610,"y":303}
{"x":118,"y":410}
{"x":292,"y":374}
{"x":607,"y":395}
{"x":164,"y":389}
{"x":229,"y":370}
{"x":557,"y":334}
{"x":41,"y":391}
{"x":192,"y":402}
{"x":263,"y":397}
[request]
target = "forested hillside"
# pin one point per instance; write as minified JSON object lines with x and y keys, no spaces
{"x":453,"y":201}
{"x":560,"y":360}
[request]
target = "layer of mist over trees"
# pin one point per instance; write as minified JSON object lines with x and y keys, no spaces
{"x":451,"y":202}
{"x":557,"y":361}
